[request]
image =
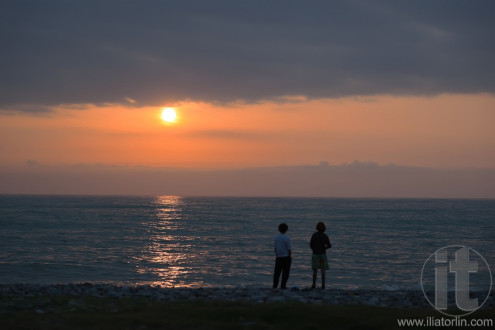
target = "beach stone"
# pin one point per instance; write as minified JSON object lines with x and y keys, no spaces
{"x":184,"y":294}
{"x":20,"y":296}
{"x":276,"y":299}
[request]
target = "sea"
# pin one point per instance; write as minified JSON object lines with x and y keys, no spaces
{"x":173,"y":241}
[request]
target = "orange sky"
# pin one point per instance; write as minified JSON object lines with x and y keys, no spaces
{"x":444,"y":131}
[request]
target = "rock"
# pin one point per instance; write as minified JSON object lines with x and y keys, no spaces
{"x":23,"y":296}
{"x":276,"y":299}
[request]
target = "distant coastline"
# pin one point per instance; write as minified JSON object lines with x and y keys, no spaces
{"x":352,"y":180}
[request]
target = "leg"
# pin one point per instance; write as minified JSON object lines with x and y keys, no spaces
{"x":285,"y":272}
{"x":276,"y":273}
{"x":315,"y":275}
{"x":324,"y":267}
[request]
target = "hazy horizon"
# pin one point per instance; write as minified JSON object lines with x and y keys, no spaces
{"x":352,"y":180}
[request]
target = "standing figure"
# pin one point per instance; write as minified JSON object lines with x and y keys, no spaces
{"x":283,"y":257}
{"x":319,"y":244}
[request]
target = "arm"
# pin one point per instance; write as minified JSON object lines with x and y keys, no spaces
{"x":275,"y":247}
{"x":289,"y":248}
{"x":327,"y":243}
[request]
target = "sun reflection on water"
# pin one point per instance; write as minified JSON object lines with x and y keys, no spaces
{"x":167,"y":254}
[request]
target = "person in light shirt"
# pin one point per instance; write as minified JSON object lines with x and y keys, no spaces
{"x":283,"y":257}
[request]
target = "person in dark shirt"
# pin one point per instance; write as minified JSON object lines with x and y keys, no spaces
{"x":319,"y":244}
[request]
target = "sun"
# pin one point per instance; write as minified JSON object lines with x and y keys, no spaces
{"x":169,"y":115}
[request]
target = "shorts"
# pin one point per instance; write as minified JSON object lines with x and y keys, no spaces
{"x":319,"y":261}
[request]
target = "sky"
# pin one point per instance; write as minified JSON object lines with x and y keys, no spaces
{"x":255,"y":85}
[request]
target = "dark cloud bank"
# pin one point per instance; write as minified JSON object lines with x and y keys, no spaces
{"x":70,"y":52}
{"x":350,"y":180}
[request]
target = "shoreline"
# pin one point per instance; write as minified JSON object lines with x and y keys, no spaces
{"x":13,"y":294}
{"x":108,"y":306}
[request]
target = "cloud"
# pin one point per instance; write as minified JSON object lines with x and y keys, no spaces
{"x":32,"y":163}
{"x":70,"y":52}
{"x":131,"y":101}
{"x":33,"y":109}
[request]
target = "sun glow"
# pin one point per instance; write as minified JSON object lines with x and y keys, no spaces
{"x":169,"y":115}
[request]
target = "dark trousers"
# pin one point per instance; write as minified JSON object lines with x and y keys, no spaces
{"x":282,"y":266}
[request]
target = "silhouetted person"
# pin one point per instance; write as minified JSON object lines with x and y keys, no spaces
{"x":283,"y":257}
{"x":319,"y":244}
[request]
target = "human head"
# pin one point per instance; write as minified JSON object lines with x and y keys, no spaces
{"x":283,"y":228}
{"x":320,"y":226}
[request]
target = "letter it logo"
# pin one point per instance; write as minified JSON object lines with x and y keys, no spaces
{"x":456,"y":280}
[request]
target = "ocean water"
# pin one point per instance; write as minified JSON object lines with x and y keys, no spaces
{"x":222,"y":242}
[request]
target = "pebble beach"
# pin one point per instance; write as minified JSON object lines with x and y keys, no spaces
{"x":24,"y":296}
